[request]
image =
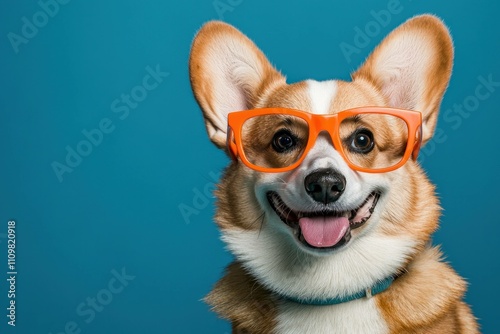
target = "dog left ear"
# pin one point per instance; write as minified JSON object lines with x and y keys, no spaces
{"x":228,"y":73}
{"x":412,"y":68}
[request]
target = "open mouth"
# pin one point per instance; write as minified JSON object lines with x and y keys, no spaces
{"x":324,"y":230}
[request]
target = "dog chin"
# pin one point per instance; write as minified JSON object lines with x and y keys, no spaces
{"x":326,"y":230}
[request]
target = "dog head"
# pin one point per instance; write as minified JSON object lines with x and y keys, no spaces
{"x":323,"y":228}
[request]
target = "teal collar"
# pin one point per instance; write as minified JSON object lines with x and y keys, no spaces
{"x":367,"y":293}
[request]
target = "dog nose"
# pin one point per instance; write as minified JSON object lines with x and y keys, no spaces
{"x":325,"y":185}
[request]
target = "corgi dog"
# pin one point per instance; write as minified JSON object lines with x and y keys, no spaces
{"x":324,"y":206}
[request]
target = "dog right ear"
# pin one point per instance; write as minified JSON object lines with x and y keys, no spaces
{"x":228,"y":73}
{"x":411,"y":67}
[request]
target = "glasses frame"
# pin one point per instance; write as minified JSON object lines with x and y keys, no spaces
{"x":319,"y":123}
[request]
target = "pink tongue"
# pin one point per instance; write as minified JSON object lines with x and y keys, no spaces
{"x":323,"y":231}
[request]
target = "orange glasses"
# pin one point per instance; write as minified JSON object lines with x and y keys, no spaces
{"x":370,"y":139}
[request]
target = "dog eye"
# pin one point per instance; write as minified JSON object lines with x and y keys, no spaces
{"x":362,"y":141}
{"x":283,"y":141}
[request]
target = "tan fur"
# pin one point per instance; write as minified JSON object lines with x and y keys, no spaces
{"x":240,"y":299}
{"x":427,"y":297}
{"x":238,"y":209}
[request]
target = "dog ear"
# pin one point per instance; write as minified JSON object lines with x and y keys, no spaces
{"x":412,"y":66}
{"x":228,"y":73}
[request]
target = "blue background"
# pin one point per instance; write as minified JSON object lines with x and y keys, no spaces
{"x":120,"y":207}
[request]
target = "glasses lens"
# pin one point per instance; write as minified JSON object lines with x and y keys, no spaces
{"x":274,"y":141}
{"x":374,"y":141}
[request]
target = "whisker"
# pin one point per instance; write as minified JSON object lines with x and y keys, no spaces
{"x":261,"y":218}
{"x":280,"y":179}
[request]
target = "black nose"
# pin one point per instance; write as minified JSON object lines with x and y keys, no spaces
{"x":325,"y":185}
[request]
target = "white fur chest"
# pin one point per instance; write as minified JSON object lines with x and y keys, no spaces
{"x":356,"y":317}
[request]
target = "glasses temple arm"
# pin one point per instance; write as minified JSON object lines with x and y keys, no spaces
{"x":232,"y":149}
